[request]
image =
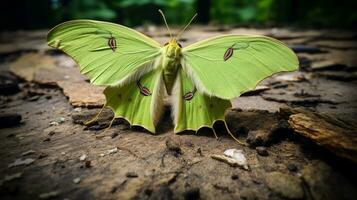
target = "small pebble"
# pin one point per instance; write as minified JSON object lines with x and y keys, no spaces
{"x":262,"y":151}
{"x":61,"y":120}
{"x":53,"y":123}
{"x":113,"y":151}
{"x":63,"y":153}
{"x":47,"y":139}
{"x":83,"y":157}
{"x":77,"y":109}
{"x":77,"y":180}
{"x":238,"y":157}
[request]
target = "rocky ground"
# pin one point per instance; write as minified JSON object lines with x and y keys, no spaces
{"x":300,"y":130}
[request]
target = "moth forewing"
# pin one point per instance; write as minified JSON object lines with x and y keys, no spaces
{"x":100,"y":47}
{"x":227,"y":66}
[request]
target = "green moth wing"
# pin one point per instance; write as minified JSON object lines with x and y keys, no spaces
{"x":109,"y":54}
{"x":192,"y":109}
{"x":227,"y":66}
{"x":139,"y":102}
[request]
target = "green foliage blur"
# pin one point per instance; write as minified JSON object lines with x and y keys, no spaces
{"x":35,"y":14}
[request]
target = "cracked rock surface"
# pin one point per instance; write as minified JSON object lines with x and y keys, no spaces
{"x":45,"y":102}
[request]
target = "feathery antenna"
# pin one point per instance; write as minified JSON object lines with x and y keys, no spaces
{"x":180,"y":33}
{"x":167,"y":26}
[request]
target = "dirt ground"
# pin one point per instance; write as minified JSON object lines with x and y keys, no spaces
{"x":47,"y":153}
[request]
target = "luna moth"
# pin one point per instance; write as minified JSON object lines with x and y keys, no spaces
{"x":138,"y":72}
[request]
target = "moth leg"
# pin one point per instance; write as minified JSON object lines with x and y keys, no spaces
{"x":110,"y":124}
{"x":215,"y":134}
{"x":95,"y":118}
{"x":230,"y":133}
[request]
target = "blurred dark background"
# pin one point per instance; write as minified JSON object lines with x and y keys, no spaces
{"x":38,"y":14}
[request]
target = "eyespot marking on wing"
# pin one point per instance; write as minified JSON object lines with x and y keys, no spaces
{"x":112,"y":43}
{"x":235,"y":46}
{"x":189,"y":95}
{"x":228,"y":54}
{"x":143,"y":90}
